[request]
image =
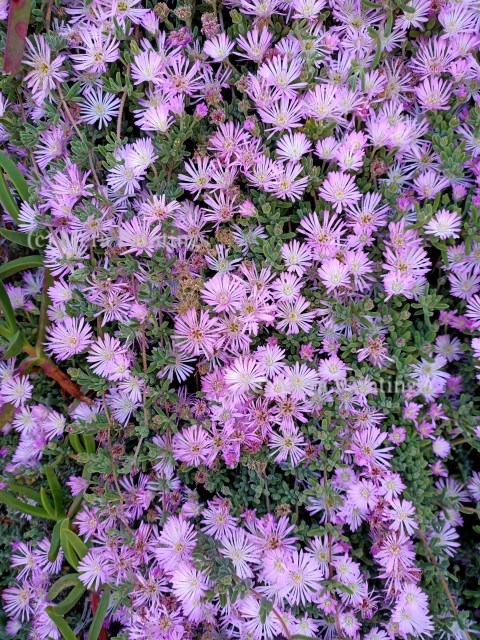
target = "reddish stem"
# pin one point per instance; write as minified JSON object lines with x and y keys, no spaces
{"x":54,"y":372}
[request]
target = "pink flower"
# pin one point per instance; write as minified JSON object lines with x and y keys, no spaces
{"x":94,"y":569}
{"x":401,"y":516}
{"x":340,"y":189}
{"x":196,"y":334}
{"x":192,"y":446}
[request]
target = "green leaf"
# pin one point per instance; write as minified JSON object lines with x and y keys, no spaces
{"x":7,"y":308}
{"x":13,"y":172}
{"x":6,"y":199}
{"x":22,"y":490}
{"x":89,"y":441}
{"x":67,"y":549}
{"x":80,"y":547}
{"x":70,"y":580}
{"x":61,"y":624}
{"x":71,"y":600}
{"x":73,"y":548}
{"x":56,"y":490}
{"x":76,"y":443}
{"x":99,"y":616}
{"x":75,"y":506}
{"x":55,"y":542}
{"x":20,"y":264}
{"x":30,"y":240}
{"x":18,"y":505}
{"x":47,"y":505}
{"x":15,"y":346}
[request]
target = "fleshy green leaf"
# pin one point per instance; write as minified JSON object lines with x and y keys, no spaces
{"x":56,"y":490}
{"x":26,"y":492}
{"x":30,"y":240}
{"x":61,"y":624}
{"x":20,"y":264}
{"x":80,"y":547}
{"x":99,"y":616}
{"x":6,"y":199}
{"x":15,"y":346}
{"x":7,"y":164}
{"x":7,"y":309}
{"x":73,"y":548}
{"x":70,"y":580}
{"x":55,"y":542}
{"x":47,"y":505}
{"x":18,"y":505}
{"x":71,"y":600}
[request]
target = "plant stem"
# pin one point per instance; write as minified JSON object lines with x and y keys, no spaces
{"x":52,"y":371}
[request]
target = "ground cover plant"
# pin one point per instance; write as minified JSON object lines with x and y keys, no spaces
{"x":240,"y":329}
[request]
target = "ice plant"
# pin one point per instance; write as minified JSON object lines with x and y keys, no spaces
{"x":240,"y":305}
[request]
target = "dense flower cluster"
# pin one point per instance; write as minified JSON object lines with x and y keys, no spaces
{"x":254,"y":320}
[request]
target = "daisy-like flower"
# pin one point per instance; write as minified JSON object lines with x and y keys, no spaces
{"x":147,"y":67}
{"x":401,"y":516}
{"x":196,"y":334}
{"x":444,"y":224}
{"x":294,"y":316}
{"x":65,"y":253}
{"x":68,"y":337}
{"x":285,"y":185}
{"x":292,"y":146}
{"x":334,"y":274}
{"x":156,"y":208}
{"x":223,"y":292}
{"x":198,"y":176}
{"x":290,"y":443}
{"x":94,"y":569}
{"x":434,"y":93}
{"x":156,"y":118}
{"x":441,"y":447}
{"x":104,"y":353}
{"x":124,"y":179}
{"x":244,"y":375}
{"x":340,"y":189}
{"x":363,"y":495}
{"x":192,"y":446}
{"x":17,"y":390}
{"x":296,"y":257}
{"x":332,"y":369}
{"x":99,"y":108}
{"x":365,"y":446}
{"x":176,"y":543}
{"x":188,"y":584}
{"x":24,"y":557}
{"x":395,"y":553}
{"x":241,"y":552}
{"x":217,"y":520}
{"x":98,"y":51}
{"x":307,"y":9}
{"x":19,"y":601}
{"x":283,"y":74}
{"x":218,"y":48}
{"x":139,"y":237}
{"x":282,"y":115}
{"x":255,"y":44}
{"x":304,"y":578}
{"x":45,"y":72}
